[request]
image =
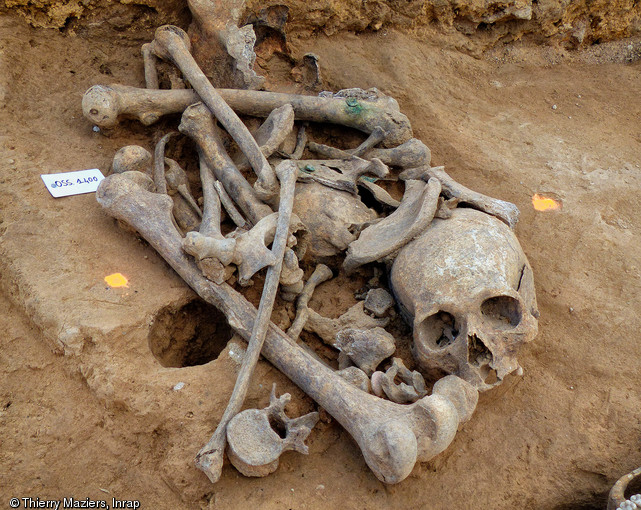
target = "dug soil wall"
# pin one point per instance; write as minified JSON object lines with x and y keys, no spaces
{"x":109,"y":393}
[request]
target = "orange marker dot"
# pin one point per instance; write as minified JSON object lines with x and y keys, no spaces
{"x":117,"y":280}
{"x":543,"y":203}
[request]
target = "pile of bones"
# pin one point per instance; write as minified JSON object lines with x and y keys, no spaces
{"x":453,"y":266}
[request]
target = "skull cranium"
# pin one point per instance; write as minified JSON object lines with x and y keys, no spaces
{"x":467,"y":288}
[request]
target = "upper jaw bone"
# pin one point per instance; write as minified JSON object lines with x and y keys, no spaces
{"x":172,"y":43}
{"x":103,"y":105}
{"x":392,"y":437}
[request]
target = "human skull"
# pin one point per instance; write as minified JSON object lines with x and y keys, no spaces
{"x":466,"y":287}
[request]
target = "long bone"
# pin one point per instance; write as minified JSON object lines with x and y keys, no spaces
{"x":104,"y":104}
{"x":198,"y":124}
{"x":210,"y":458}
{"x":172,"y":43}
{"x":507,"y":212}
{"x":186,"y":211}
{"x":392,"y":437}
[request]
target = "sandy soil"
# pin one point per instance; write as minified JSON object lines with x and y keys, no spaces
{"x":87,"y":410}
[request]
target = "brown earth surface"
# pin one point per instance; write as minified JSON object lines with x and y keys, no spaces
{"x":87,"y":373}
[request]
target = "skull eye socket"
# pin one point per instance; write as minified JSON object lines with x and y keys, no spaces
{"x":503,"y":312}
{"x":438,"y":331}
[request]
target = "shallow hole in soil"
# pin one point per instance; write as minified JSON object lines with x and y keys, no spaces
{"x":188,"y":335}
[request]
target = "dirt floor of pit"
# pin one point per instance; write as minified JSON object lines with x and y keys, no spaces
{"x":87,"y":411}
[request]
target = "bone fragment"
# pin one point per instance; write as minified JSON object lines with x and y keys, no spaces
{"x":321,"y":274}
{"x":410,"y":389}
{"x":271,"y":134}
{"x":301,"y":142}
{"x":186,"y":210}
{"x":407,"y":222}
{"x":356,"y":377}
{"x":291,"y":276}
{"x":392,"y":437}
{"x":616,"y":498}
{"x":254,"y":447}
{"x":239,"y":43}
{"x":349,"y":172}
{"x":375,"y":137}
{"x":229,"y":206}
{"x":222,"y":252}
{"x":355,"y":317}
{"x":132,"y":158}
{"x":103,"y":105}
{"x":210,"y":457}
{"x":378,"y":301}
{"x":159,"y":163}
{"x":186,"y":218}
{"x":410,"y":154}
{"x":252,"y":253}
{"x":218,"y":22}
{"x":141,"y":179}
{"x":171,"y":43}
{"x":329,"y":217}
{"x":151,"y":72}
{"x":366,"y":348}
{"x":198,"y":124}
{"x":507,"y":212}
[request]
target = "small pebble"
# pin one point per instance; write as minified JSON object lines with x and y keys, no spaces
{"x":179,"y":386}
{"x":320,"y":487}
{"x":96,"y":129}
{"x":554,"y":107}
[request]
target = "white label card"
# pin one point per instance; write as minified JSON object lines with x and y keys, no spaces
{"x":73,"y":183}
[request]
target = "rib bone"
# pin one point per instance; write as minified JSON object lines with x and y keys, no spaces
{"x":171,"y":43}
{"x":392,"y":437}
{"x":103,"y":105}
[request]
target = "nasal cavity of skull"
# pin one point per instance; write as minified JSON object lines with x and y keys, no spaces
{"x":188,"y":335}
{"x":480,"y":356}
{"x":438,"y":331}
{"x":502,"y":312}
{"x":278,"y":426}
